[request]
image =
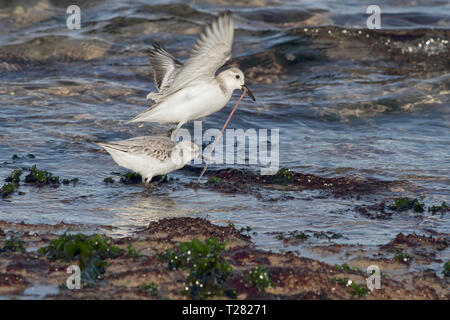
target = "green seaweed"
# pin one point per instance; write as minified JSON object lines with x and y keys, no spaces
{"x":280,"y":236}
{"x":402,"y":257}
{"x":41,"y":177}
{"x":327,"y":235}
{"x":246,"y":229}
{"x":13,"y":244}
{"x":294,"y":235}
{"x":358,"y":291}
{"x":35,"y":176}
{"x":446,"y":271}
{"x":405,"y":204}
{"x":259,"y":278}
{"x":301,"y":236}
{"x":131,"y":178}
{"x":207,"y":272}
{"x":345,"y":267}
{"x":7,"y":189}
{"x":435,"y":209}
{"x":283,"y":176}
{"x":14,"y":176}
{"x":132,"y":252}
{"x":17,"y":157}
{"x":108,"y":180}
{"x":151,"y":288}
{"x":74,"y":181}
{"x":355,"y":290}
{"x":90,"y":253}
{"x":284,"y":173}
{"x":214,"y":180}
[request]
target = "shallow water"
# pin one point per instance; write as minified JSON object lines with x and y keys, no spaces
{"x":347,"y":101}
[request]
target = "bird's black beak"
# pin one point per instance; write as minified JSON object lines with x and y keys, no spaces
{"x":247,"y":90}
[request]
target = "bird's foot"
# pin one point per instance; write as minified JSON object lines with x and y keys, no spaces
{"x":147,"y":182}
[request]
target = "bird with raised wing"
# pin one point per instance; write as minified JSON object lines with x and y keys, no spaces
{"x":151,"y":156}
{"x":192,"y":90}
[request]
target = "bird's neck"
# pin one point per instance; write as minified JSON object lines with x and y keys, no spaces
{"x":225,"y":87}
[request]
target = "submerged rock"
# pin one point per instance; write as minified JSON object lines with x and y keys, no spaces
{"x":50,"y":48}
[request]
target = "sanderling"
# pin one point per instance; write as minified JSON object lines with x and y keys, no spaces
{"x":151,"y":156}
{"x":193,"y":91}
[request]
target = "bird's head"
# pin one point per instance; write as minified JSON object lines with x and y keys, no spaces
{"x":184,"y":152}
{"x":233,"y":79}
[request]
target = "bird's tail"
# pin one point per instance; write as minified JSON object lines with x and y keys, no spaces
{"x":108,"y":146}
{"x":149,"y":115}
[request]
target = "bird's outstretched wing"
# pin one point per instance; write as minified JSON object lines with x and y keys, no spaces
{"x":165,"y":67}
{"x":152,"y":146}
{"x":211,"y":50}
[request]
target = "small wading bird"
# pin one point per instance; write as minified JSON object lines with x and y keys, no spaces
{"x":193,"y":91}
{"x":151,"y":156}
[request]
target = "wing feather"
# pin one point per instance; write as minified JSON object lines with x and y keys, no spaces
{"x":211,"y":50}
{"x":151,"y":146}
{"x":164,"y":66}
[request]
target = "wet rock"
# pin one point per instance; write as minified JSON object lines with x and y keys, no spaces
{"x":279,"y":16}
{"x":411,"y":47}
{"x":248,"y":182}
{"x":11,"y":283}
{"x":62,"y":48}
{"x":108,"y":180}
{"x":374,"y":211}
{"x":131,"y":178}
{"x":262,"y":67}
{"x":296,"y":237}
{"x":177,"y":10}
{"x":81,"y":3}
{"x":442,"y":209}
{"x":174,"y":230}
{"x":414,"y":240}
{"x":11,"y":63}
{"x":293,"y":277}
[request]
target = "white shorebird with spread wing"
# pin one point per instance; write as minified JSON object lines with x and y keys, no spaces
{"x":192,"y":90}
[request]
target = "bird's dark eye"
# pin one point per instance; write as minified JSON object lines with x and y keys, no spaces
{"x":237,"y":76}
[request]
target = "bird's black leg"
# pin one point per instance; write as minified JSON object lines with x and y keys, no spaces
{"x":163,"y":178}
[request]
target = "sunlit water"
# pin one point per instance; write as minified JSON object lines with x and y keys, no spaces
{"x":342,"y":107}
